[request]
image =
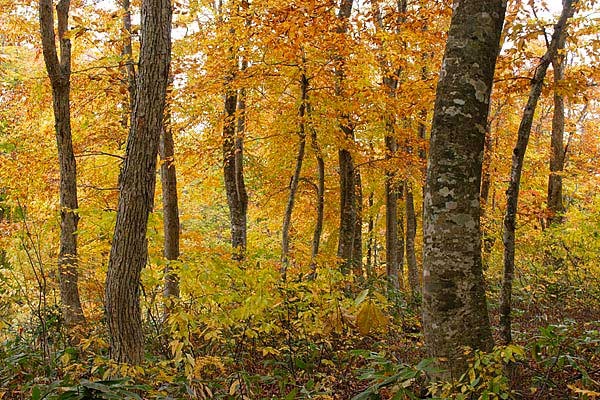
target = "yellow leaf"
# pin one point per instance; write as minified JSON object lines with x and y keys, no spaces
{"x":370,"y":318}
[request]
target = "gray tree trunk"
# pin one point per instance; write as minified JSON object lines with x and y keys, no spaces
{"x":316,"y":241}
{"x":233,"y":165}
{"x":59,"y":72}
{"x":129,"y":250}
{"x":129,"y":67}
{"x":512,"y":193}
{"x":287,"y":216}
{"x":557,"y":155}
{"x":348,"y":173}
{"x":171,"y":226}
{"x":454,"y":304}
{"x":411,"y":233}
{"x":357,"y":253}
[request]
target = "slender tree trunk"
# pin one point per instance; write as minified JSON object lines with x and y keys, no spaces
{"x":557,"y":155}
{"x":411,"y":233}
{"x":370,"y":238}
{"x":129,"y":68}
{"x":233,"y":159}
{"x":287,"y":217}
{"x":129,"y":250}
{"x":348,"y":206}
{"x":486,"y":179}
{"x":391,"y":220}
{"x":454,"y":304}
{"x":512,"y":193}
{"x":171,"y":227}
{"x":320,"y":195}
{"x":357,"y":252}
{"x":59,"y":72}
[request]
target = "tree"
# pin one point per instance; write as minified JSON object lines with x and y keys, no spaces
{"x":512,"y":193}
{"x":171,"y":226}
{"x":454,"y":304}
{"x":558,"y":151}
{"x":233,"y":149}
{"x":59,"y":72}
{"x":348,"y":172}
{"x":129,"y":250}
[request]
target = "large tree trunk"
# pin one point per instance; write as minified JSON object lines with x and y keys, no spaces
{"x":512,"y":193}
{"x":168,"y":178}
{"x":287,"y":216}
{"x":454,"y":304}
{"x":557,"y":155}
{"x":348,"y":208}
{"x":129,"y":250}
{"x":59,"y":72}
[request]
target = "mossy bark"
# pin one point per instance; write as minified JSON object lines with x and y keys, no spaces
{"x":455,"y":312}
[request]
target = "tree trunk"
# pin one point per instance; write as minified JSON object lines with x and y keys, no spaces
{"x":411,"y":233}
{"x":171,"y":227}
{"x":370,"y":239}
{"x":391,"y":220}
{"x":129,"y":250}
{"x":287,"y":217}
{"x":320,"y":195}
{"x":357,"y":253}
{"x":512,"y":193}
{"x":233,"y":158}
{"x":557,"y":155}
{"x":348,"y":207}
{"x":454,"y":304}
{"x":59,"y":72}
{"x":129,"y":68}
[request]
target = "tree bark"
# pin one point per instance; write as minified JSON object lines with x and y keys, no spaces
{"x":348,"y":206}
{"x":411,"y":233}
{"x":557,"y":155}
{"x":512,"y":193}
{"x":370,"y":239}
{"x":320,"y":195}
{"x":287,"y":216}
{"x":59,"y":72}
{"x":129,"y":250}
{"x":129,"y":67}
{"x":454,"y":304}
{"x":171,"y":226}
{"x":233,"y":161}
{"x":357,"y":253}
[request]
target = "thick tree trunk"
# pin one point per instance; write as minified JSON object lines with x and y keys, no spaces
{"x":454,"y":304}
{"x":348,"y":206}
{"x":287,"y":216}
{"x":171,"y":227}
{"x":129,"y":250}
{"x":557,"y":155}
{"x":512,"y":193}
{"x":411,"y":233}
{"x":59,"y":72}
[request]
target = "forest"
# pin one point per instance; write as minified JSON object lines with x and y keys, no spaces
{"x":299,"y":199}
